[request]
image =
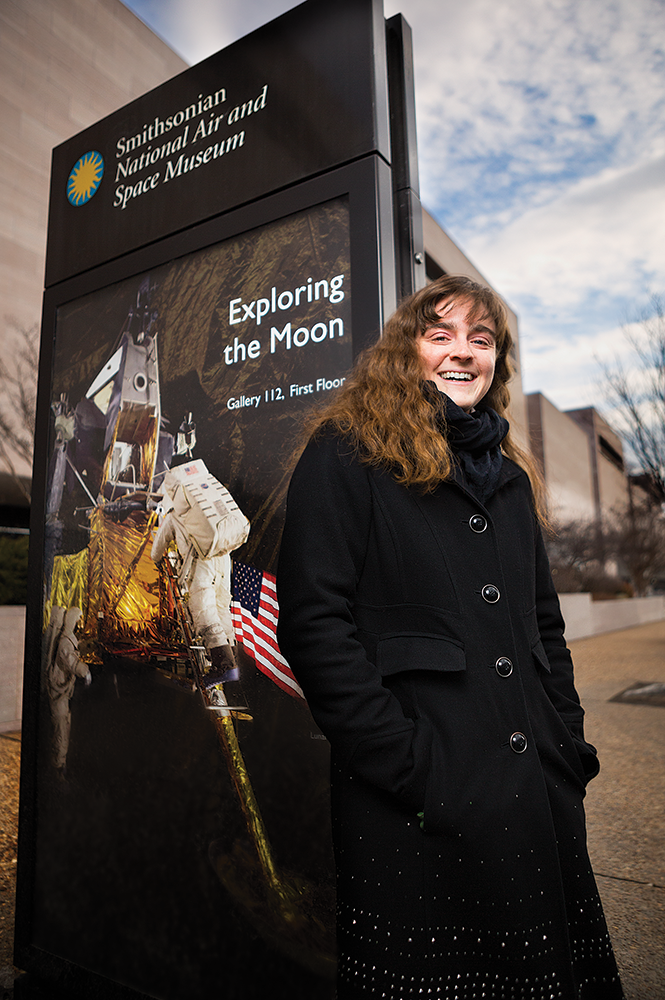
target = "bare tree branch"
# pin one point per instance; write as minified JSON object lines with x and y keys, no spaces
{"x":629,"y":545}
{"x":637,"y":395}
{"x":636,"y":539}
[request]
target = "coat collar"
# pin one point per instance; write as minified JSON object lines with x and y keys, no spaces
{"x":509,"y":470}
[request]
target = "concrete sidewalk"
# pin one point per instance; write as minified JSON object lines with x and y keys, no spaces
{"x":626,"y":803}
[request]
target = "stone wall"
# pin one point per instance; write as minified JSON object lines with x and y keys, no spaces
{"x":585,"y":617}
{"x":12,"y":634}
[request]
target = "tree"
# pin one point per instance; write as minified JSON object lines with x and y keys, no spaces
{"x":18,"y":392}
{"x":623,"y":554}
{"x":579,"y":554}
{"x":13,"y":569}
{"x":636,"y":539}
{"x":637,"y":395}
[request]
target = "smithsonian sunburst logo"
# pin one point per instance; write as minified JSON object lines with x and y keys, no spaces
{"x":85,"y":178}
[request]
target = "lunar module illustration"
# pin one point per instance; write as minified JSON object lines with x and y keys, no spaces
{"x":154,"y":579}
{"x":139,"y":536}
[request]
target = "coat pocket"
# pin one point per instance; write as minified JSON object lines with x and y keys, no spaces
{"x":588,"y":758}
{"x":540,"y":656}
{"x":407,"y":651}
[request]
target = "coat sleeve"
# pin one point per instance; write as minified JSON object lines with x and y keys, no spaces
{"x":328,"y":525}
{"x":560,"y":682}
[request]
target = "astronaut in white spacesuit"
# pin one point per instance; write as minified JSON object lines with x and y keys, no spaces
{"x":63,"y":666}
{"x":202,"y":518}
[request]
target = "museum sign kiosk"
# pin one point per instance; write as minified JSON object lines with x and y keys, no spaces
{"x":219,"y":251}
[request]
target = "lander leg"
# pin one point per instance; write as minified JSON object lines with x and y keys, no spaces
{"x":285,"y":910}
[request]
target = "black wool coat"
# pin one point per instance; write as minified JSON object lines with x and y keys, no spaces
{"x":426,"y":633}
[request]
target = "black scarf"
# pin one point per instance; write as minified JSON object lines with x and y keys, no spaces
{"x":475,"y":439}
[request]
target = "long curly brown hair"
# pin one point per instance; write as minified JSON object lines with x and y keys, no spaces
{"x":382,"y":410}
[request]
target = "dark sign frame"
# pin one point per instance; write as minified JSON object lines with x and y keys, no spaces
{"x":316,"y":79}
{"x":366,"y":186}
{"x":326,"y":92}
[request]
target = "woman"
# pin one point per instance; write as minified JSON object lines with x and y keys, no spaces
{"x":418,"y":612}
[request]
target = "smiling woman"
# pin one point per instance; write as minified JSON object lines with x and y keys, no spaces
{"x":387,"y":408}
{"x":458,"y":354}
{"x":417,"y":611}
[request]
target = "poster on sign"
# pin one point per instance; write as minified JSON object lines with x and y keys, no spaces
{"x":183,"y":782}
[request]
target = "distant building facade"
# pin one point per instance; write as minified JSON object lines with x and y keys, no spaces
{"x":606,"y":461}
{"x":581,"y":458}
{"x":563,"y":452}
{"x":63,"y":66}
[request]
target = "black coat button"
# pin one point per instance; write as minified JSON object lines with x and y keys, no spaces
{"x":490,"y":593}
{"x":504,"y":666}
{"x":518,"y":742}
{"x":477,"y":523}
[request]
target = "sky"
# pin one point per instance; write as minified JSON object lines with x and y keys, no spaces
{"x":541,"y":138}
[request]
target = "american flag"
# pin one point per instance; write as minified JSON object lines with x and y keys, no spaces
{"x":254,"y":611}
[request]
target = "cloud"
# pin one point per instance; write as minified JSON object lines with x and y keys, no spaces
{"x":571,"y":372}
{"x":603,"y":234}
{"x":517,"y":95}
{"x":568,"y":367}
{"x":573,"y":269}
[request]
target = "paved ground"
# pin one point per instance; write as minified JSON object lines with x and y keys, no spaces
{"x":625,"y":806}
{"x":626,"y":802}
{"x":10,"y":756}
